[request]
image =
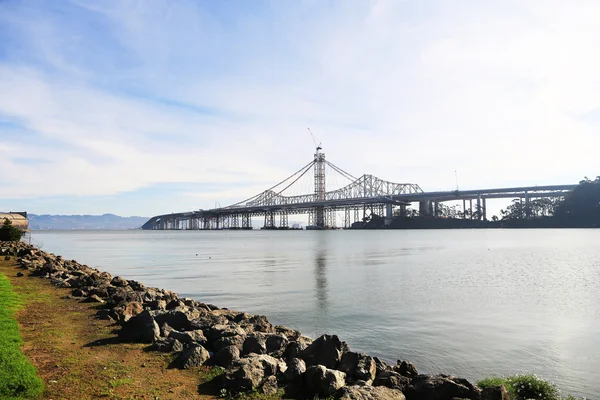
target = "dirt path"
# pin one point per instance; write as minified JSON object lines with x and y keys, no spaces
{"x":78,"y":356}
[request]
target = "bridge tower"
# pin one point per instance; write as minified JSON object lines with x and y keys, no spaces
{"x":320,"y":186}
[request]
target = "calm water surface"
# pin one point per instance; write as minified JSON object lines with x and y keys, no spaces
{"x":473,"y":303}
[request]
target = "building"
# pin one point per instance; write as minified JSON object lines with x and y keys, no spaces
{"x":18,"y":219}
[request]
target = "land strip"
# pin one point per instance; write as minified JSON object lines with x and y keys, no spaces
{"x":77,"y":355}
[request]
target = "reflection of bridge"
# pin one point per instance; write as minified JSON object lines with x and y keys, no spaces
{"x":356,"y":200}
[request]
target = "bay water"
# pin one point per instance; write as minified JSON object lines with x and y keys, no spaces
{"x":473,"y":303}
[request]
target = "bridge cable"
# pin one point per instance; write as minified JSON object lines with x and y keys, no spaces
{"x":296,"y":180}
{"x":341,"y":171}
{"x":310,"y":164}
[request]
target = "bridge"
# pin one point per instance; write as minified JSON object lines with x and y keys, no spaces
{"x":357,"y":199}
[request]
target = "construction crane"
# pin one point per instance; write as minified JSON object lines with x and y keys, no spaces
{"x":315,"y":140}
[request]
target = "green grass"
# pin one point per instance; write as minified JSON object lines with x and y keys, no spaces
{"x":523,"y":387}
{"x":18,"y":378}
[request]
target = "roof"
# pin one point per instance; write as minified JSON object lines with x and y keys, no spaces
{"x":17,"y":219}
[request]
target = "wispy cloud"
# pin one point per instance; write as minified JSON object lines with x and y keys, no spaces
{"x":109,"y":98}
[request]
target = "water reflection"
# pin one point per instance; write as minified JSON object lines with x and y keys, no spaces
{"x":320,"y":272}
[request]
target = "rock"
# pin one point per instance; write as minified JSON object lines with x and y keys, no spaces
{"x":167,"y":345}
{"x":323,"y":381}
{"x":7,"y":258}
{"x":358,"y":366}
{"x":176,"y":303}
{"x":440,"y":387}
{"x":225,"y":357}
{"x":141,"y":328}
{"x":254,"y":343}
{"x":217,"y":332}
{"x":193,"y":356}
{"x":117,"y":281}
{"x":392,"y":380}
{"x":269,"y":386}
{"x":381,"y":366}
{"x":237,"y":341}
{"x":295,"y":368}
{"x":257,"y":323}
{"x":93,"y":299}
{"x":20,"y":274}
{"x":196,"y":336}
{"x":368,"y":393}
{"x":79,"y":293}
{"x":131,"y":310}
{"x":157,"y":305}
{"x":495,"y":393}
{"x":327,"y":350}
{"x":406,"y":368}
{"x":248,"y":373}
{"x":276,"y":344}
{"x":176,"y":319}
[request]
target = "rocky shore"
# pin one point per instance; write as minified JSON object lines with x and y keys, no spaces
{"x":254,"y":354}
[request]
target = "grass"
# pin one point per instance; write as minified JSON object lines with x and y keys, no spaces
{"x":18,"y":377}
{"x":528,"y":386}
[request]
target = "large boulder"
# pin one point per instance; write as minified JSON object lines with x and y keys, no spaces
{"x":255,"y":343}
{"x":276,"y":344}
{"x":327,"y":350}
{"x":196,"y":336}
{"x":269,"y":386}
{"x":176,"y":319}
{"x":358,"y":366}
{"x":368,"y":393}
{"x":167,"y":345}
{"x":131,"y":309}
{"x":323,"y":381}
{"x":118,"y":281}
{"x":193,"y":356}
{"x":392,"y":380}
{"x":141,"y":328}
{"x":406,"y":368}
{"x":249,"y":372}
{"x":237,"y":341}
{"x":441,"y":387}
{"x":295,"y":368}
{"x":225,"y":357}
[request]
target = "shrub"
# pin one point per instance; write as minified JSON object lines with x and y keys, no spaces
{"x":523,"y":387}
{"x":11,"y":233}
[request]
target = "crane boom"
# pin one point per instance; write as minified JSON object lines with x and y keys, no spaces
{"x":315,"y":140}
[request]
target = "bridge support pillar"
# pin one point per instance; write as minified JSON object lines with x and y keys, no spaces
{"x":403,"y":210}
{"x":389,"y":217}
{"x":484,"y":209}
{"x":479,"y":210}
{"x":436,"y":209}
{"x":527,"y":205}
{"x":424,"y":208}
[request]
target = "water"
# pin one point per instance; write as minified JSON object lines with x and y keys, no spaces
{"x":473,"y":303}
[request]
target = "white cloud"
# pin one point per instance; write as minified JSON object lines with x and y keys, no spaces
{"x":409,"y":91}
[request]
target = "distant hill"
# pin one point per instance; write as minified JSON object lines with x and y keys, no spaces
{"x":89,"y":222}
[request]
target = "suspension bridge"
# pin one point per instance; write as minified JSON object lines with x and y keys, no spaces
{"x":354,"y":198}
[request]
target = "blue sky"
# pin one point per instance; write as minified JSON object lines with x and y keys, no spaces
{"x":144,"y":108}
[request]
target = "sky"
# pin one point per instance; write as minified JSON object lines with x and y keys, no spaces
{"x":142,"y":108}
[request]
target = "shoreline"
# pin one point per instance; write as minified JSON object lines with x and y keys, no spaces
{"x":254,"y":354}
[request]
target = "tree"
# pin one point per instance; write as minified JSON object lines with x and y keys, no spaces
{"x":581,"y":207}
{"x":9,"y":232}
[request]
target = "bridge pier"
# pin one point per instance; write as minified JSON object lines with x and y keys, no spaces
{"x":389,"y":217}
{"x":424,"y":208}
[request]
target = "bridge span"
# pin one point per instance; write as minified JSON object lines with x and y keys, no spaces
{"x":358,"y":199}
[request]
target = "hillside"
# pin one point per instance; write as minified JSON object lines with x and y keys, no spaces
{"x":90,"y":222}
